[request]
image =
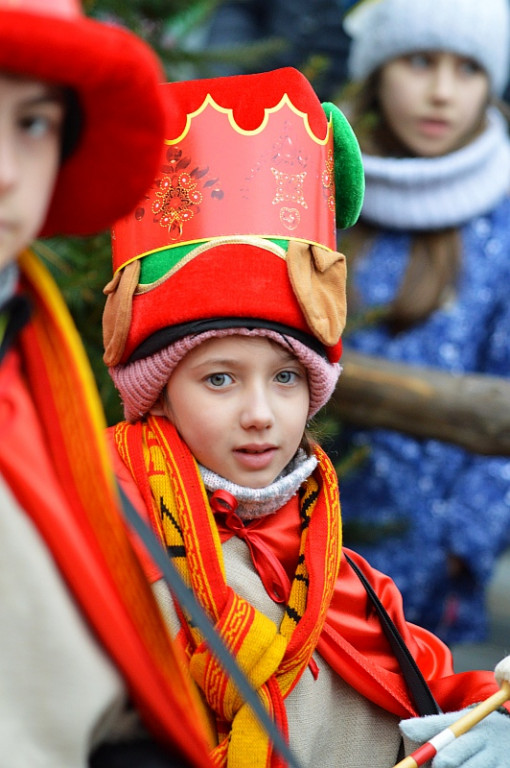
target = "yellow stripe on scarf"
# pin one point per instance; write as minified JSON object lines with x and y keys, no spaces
{"x":68,"y":370}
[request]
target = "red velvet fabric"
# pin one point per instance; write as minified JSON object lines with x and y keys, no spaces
{"x":204,"y":285}
{"x":249,"y":96}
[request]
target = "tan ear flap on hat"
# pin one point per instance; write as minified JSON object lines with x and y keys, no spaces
{"x":318,"y":279}
{"x":118,"y":310}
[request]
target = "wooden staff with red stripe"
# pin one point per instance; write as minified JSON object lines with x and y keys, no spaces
{"x":428,"y":750}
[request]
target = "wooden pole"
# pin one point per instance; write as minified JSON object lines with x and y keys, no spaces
{"x":456,"y":729}
{"x":472,"y":411}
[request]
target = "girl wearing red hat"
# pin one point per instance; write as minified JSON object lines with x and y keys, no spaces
{"x":85,"y":660}
{"x":222,"y":333}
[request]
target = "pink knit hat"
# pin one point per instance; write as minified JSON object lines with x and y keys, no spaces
{"x":141,"y":382}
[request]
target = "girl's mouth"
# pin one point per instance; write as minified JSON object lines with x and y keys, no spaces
{"x":433,"y":128}
{"x":255,"y":456}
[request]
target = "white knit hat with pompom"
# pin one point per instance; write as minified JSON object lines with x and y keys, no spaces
{"x":385,"y":29}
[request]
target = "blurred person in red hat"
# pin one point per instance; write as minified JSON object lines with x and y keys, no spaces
{"x":222,"y":332}
{"x":86,"y":664}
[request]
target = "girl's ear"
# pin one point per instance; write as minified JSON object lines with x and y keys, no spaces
{"x":160,"y":408}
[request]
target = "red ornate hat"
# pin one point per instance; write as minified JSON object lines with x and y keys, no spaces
{"x":238,"y":228}
{"x":116,"y":78}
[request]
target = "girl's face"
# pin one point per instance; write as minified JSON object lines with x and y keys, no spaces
{"x":433,"y":101}
{"x":241,"y":405}
{"x":31,"y":118}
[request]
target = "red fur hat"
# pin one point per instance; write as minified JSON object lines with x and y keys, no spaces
{"x":116,"y":79}
{"x":238,"y":228}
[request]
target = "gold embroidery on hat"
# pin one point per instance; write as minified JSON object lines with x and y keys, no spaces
{"x":290,"y":217}
{"x":177,"y":199}
{"x":289,"y":187}
{"x":328,"y":181}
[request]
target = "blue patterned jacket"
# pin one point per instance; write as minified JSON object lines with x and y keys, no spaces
{"x":415,"y":503}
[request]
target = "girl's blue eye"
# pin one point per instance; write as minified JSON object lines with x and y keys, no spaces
{"x":219,"y":379}
{"x":42,"y":120}
{"x":419,"y":60}
{"x":470,"y":67}
{"x":286,"y":377}
{"x":36,"y":126}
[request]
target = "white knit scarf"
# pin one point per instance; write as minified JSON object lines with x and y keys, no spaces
{"x":431,"y":193}
{"x":256,"y":502}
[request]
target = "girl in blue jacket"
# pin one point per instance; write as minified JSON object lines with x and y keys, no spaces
{"x":432,"y":258}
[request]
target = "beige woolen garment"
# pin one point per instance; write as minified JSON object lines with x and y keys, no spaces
{"x":59,"y":692}
{"x":330,"y":724}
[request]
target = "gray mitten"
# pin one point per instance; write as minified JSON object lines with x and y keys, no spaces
{"x":486,"y":745}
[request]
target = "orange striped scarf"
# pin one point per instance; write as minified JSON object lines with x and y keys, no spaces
{"x":91,"y":546}
{"x":273,"y":658}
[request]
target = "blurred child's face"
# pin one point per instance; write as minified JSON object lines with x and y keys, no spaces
{"x":241,"y":405}
{"x":433,"y":101}
{"x":31,"y":118}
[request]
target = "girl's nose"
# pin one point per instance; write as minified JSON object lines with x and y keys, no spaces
{"x":443,"y":82}
{"x":257,"y":412}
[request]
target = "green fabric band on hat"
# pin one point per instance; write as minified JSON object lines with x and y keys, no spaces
{"x":157,"y":264}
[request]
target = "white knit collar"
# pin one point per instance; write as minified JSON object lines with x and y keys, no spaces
{"x":256,"y":502}
{"x":431,"y":193}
